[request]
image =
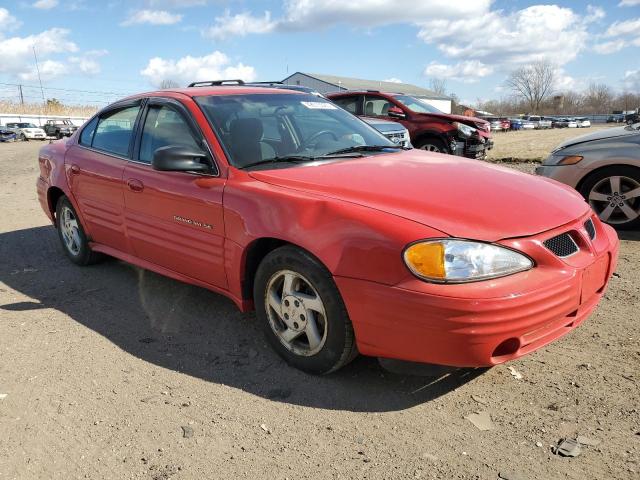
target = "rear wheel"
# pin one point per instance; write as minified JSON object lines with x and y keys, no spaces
{"x":302,"y":312}
{"x":72,"y":237}
{"x":432,"y":145}
{"x":614,"y":194}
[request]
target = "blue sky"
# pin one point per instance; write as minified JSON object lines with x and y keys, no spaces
{"x":128,"y":46}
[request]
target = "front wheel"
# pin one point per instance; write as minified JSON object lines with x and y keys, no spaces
{"x":432,"y":145}
{"x":614,"y":194}
{"x":302,"y":312}
{"x":72,"y":237}
{"x":23,"y":137}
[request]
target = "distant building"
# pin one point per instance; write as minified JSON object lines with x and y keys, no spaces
{"x":332,"y":83}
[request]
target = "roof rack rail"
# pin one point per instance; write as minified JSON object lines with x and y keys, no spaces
{"x":216,"y":83}
{"x":276,"y":82}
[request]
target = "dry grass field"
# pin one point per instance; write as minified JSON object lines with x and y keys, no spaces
{"x":534,"y":145}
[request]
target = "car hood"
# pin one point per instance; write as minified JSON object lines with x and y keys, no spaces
{"x":599,"y":135}
{"x":448,"y":117}
{"x":460,"y":197}
{"x":383,"y":125}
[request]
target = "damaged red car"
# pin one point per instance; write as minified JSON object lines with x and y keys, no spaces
{"x":342,"y":241}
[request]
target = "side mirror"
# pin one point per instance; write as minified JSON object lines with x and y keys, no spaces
{"x":396,"y":112}
{"x":176,"y":158}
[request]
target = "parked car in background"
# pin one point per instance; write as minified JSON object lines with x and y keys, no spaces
{"x":538,"y":121}
{"x":494,"y":123}
{"x":59,"y":128}
{"x":604,"y":167}
{"x":394,"y":131}
{"x":521,"y":124}
{"x":429,"y":128}
{"x":566,"y":123}
{"x":342,"y":241}
{"x":616,"y":118}
{"x":27,"y":131}
{"x":632,"y":118}
{"x":7,"y":135}
{"x":583,"y":122}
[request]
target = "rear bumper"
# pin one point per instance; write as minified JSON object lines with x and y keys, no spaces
{"x":415,"y":321}
{"x":42,"y":187}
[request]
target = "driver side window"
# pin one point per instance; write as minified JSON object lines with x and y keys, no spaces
{"x":164,"y":126}
{"x":377,"y":107}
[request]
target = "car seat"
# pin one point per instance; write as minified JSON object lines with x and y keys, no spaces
{"x":246,"y":142}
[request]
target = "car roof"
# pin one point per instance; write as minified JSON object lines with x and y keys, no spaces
{"x":223,"y":90}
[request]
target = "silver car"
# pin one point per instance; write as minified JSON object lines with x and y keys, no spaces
{"x":604,"y":167}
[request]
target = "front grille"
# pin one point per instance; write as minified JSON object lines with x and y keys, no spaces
{"x":396,"y":137}
{"x":590,"y":228}
{"x":562,"y":245}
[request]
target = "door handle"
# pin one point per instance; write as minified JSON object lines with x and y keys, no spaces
{"x":135,"y":185}
{"x":75,"y":169}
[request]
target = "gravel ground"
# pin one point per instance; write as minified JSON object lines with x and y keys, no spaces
{"x":114,"y":372}
{"x":534,"y":145}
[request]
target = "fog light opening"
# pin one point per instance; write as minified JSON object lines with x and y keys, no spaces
{"x":506,"y":349}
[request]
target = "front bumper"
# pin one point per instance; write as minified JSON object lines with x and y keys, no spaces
{"x":484,"y":323}
{"x":35,"y":136}
{"x":567,"y":174}
{"x":472,"y":147}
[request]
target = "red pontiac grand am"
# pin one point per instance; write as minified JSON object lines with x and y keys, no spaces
{"x":342,"y":241}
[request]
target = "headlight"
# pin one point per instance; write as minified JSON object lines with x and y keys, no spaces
{"x":562,"y":160}
{"x":459,"y":261}
{"x":465,"y":130}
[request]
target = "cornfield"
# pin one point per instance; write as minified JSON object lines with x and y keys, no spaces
{"x":40,"y":109}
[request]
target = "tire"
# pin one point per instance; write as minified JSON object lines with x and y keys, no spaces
{"x":432,"y":145}
{"x":619,"y":211}
{"x":59,"y":135}
{"x":313,"y":308}
{"x":71,"y":234}
{"x":23,"y":137}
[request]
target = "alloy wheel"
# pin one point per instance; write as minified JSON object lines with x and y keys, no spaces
{"x":69,"y":230}
{"x":616,"y":199}
{"x":296,"y":313}
{"x":430,"y":147}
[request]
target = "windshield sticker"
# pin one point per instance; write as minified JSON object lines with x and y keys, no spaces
{"x":319,"y":105}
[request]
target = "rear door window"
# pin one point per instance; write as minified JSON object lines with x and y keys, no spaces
{"x":350,"y":104}
{"x":115,"y":130}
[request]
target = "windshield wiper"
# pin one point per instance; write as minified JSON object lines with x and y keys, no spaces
{"x":284,"y":159}
{"x":363,"y":148}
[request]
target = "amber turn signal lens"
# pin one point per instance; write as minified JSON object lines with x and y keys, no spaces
{"x":570,"y":160}
{"x":426,"y":259}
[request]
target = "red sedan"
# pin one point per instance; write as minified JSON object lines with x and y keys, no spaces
{"x":342,"y":241}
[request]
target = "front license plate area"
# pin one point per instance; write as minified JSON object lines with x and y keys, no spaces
{"x":594,"y":278}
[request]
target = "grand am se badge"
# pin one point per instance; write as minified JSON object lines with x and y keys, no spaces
{"x":195,"y":223}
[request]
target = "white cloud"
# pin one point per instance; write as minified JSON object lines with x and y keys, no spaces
{"x":88,"y":62}
{"x":7,"y":21}
{"x":239,"y":25}
{"x":393,"y":80}
{"x":45,"y":4}
{"x":467,"y":71}
{"x":594,"y":14}
{"x":152,"y":17}
{"x":369,"y":13}
{"x":613,"y":46}
{"x":627,"y":27}
{"x":49,"y":69}
{"x":16,"y":54}
{"x":188,"y":69}
{"x":629,"y":3}
{"x":539,"y":32}
{"x":631,"y":80}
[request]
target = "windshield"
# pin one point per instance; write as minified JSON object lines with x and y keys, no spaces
{"x":415,"y":104}
{"x":257,"y":128}
{"x":25,"y":125}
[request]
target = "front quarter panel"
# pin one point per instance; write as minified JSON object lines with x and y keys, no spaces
{"x":350,"y":240}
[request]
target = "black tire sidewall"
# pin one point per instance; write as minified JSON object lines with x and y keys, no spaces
{"x":84,"y":255}
{"x":616,"y":170}
{"x":339,"y":341}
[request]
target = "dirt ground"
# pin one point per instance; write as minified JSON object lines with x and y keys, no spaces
{"x":114,"y":372}
{"x":535,"y":145}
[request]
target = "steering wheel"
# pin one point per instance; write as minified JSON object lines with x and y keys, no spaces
{"x":317,"y":135}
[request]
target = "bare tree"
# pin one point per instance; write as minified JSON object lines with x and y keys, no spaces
{"x":598,"y":98}
{"x":533,"y":83}
{"x":438,"y":85}
{"x":169,"y":84}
